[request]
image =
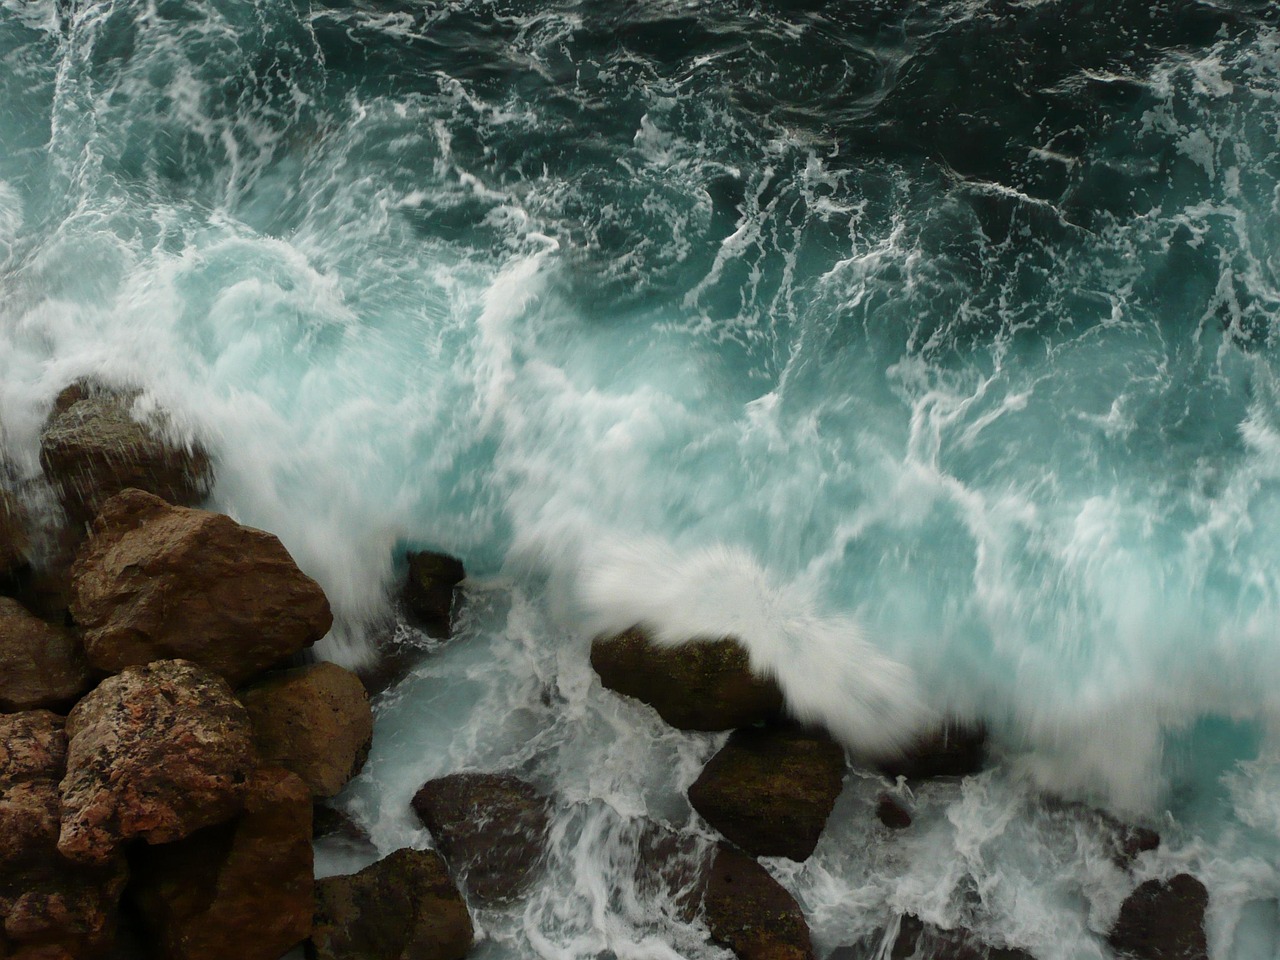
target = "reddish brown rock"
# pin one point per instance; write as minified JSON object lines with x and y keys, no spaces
{"x":155,"y":582}
{"x":158,"y":752}
{"x":771,"y":791}
{"x":241,"y":889}
{"x":14,"y":543}
{"x":41,"y":665}
{"x":1163,"y":920}
{"x":313,"y":720}
{"x":489,"y":827}
{"x":952,"y":750}
{"x":917,"y":939}
{"x":701,"y":685}
{"x":428,"y":591}
{"x":92,"y":448}
{"x":751,"y":913}
{"x":404,"y":907}
{"x":33,"y":746}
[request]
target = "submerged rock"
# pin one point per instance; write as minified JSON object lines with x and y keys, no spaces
{"x":155,"y":582}
{"x":428,"y":591}
{"x":41,"y":665}
{"x":953,"y":750}
{"x":242,"y":889}
{"x":918,"y":940}
{"x":313,"y":720}
{"x":404,"y":907}
{"x":770,"y":791}
{"x":1163,"y":920}
{"x":92,"y":448}
{"x":892,"y":813}
{"x":157,"y":752}
{"x":751,"y":913}
{"x":700,"y":685}
{"x":490,"y":828}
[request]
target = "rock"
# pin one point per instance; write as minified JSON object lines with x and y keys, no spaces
{"x":428,"y":591}
{"x":701,"y":685}
{"x":155,"y":582}
{"x":33,"y":746}
{"x":92,"y":448}
{"x":489,"y":827}
{"x":670,"y":866}
{"x":404,"y":907}
{"x":1163,"y":920}
{"x":158,"y":752}
{"x":329,"y":822}
{"x":954,"y":750}
{"x":771,"y":791}
{"x":14,"y":544}
{"x":241,"y":889}
{"x":751,"y":913}
{"x":313,"y":720}
{"x":918,"y":940}
{"x":892,"y":813}
{"x":41,"y":665}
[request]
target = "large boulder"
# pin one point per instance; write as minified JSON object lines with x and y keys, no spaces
{"x":158,"y":751}
{"x":1163,"y":920}
{"x":156,"y":582}
{"x":241,"y":889}
{"x":951,"y":750}
{"x":428,"y":591}
{"x":92,"y":448}
{"x":751,"y":913}
{"x":700,"y":685}
{"x":770,"y":791}
{"x":490,"y":828}
{"x":313,"y":720}
{"x":41,"y":665}
{"x":14,"y":544}
{"x":404,"y":907}
{"x":917,"y":940}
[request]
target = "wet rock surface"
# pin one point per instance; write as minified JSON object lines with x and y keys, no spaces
{"x":241,"y":889}
{"x":313,"y":720}
{"x":157,"y":752}
{"x":1163,"y":920}
{"x":14,"y":542}
{"x":157,"y":582}
{"x":953,"y":750}
{"x":701,"y":685}
{"x":404,"y":907}
{"x":429,"y":591}
{"x":917,"y":940}
{"x":751,"y":913}
{"x":41,"y":665}
{"x":892,"y":812}
{"x":770,"y":791}
{"x":490,"y":828}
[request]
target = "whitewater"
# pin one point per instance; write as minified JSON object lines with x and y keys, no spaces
{"x":930,"y":348}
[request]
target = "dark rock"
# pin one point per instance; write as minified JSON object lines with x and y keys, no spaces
{"x":313,"y":720}
{"x":1125,"y":841}
{"x":241,"y":889}
{"x":751,"y":913}
{"x":92,"y":448}
{"x":670,"y":866}
{"x":918,"y":940}
{"x":328,"y":822}
{"x":404,"y":907}
{"x":14,"y":543}
{"x":41,"y":665}
{"x":155,"y":582}
{"x":954,"y":750}
{"x":1163,"y":920}
{"x":770,"y":791}
{"x":158,"y":752}
{"x":1133,"y":841}
{"x":489,"y":827}
{"x":701,"y":685}
{"x":428,"y":591}
{"x":33,"y":746}
{"x":892,"y":813}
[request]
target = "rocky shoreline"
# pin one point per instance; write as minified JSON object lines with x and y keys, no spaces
{"x":163,"y":750}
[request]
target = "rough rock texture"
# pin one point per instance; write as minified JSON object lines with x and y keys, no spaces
{"x":1163,"y":920}
{"x":892,"y":813}
{"x":157,"y":752}
{"x":404,"y":907}
{"x":489,"y":827}
{"x":93,"y":448}
{"x":750,"y":913}
{"x":701,"y":685}
{"x":428,"y":591}
{"x":313,"y":720}
{"x":918,"y":940}
{"x":771,"y":791}
{"x":40,"y":665}
{"x":13,"y":537}
{"x":241,"y":889}
{"x":670,"y":866}
{"x":954,"y":750}
{"x":156,"y":582}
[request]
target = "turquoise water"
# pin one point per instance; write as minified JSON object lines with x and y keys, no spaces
{"x":928,"y":347}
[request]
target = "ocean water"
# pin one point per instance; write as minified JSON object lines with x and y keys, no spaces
{"x":928,"y":346}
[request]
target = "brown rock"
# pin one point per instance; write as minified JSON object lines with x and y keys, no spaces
{"x":701,"y":685}
{"x":157,"y":752}
{"x":13,"y":536}
{"x":33,"y":746}
{"x":751,"y":913}
{"x":155,"y":582}
{"x":917,"y":939}
{"x":241,"y":889}
{"x":313,"y":720}
{"x":771,"y":791}
{"x":404,"y":907}
{"x":489,"y":827}
{"x":93,"y":448}
{"x":41,"y":665}
{"x":428,"y":591}
{"x":1163,"y":920}
{"x":328,"y":822}
{"x":953,"y":750}
{"x":892,"y":813}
